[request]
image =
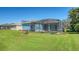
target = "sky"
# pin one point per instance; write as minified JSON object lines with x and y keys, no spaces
{"x":17,"y":14}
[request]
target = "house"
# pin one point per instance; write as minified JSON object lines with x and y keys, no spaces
{"x":44,"y":25}
{"x":12,"y":26}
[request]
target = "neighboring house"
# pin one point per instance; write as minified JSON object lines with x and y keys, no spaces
{"x":44,"y":25}
{"x":11,"y":26}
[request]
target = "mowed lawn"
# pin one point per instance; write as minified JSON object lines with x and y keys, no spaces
{"x":17,"y":41}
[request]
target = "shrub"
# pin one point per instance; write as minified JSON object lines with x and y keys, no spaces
{"x":77,"y":27}
{"x":68,"y":30}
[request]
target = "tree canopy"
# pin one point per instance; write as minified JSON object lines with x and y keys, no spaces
{"x":74,"y":17}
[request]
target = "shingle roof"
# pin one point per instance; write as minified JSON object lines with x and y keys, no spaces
{"x":49,"y":20}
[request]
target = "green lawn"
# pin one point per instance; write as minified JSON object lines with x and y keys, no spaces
{"x":17,"y":41}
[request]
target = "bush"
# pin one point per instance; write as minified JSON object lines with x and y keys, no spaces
{"x":68,"y":30}
{"x":77,"y":27}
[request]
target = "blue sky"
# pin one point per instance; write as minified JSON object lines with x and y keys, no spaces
{"x":17,"y":14}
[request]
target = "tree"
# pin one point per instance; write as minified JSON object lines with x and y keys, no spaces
{"x":77,"y":27}
{"x":74,"y":17}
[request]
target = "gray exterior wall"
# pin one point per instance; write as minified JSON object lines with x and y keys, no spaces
{"x":49,"y":27}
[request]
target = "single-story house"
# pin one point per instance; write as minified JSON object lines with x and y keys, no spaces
{"x":43,"y":25}
{"x":12,"y":26}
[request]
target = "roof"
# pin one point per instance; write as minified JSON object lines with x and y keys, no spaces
{"x":7,"y":25}
{"x":11,"y":24}
{"x":25,"y":22}
{"x":42,"y":21}
{"x":45,"y":21}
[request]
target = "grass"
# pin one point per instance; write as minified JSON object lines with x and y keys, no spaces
{"x":17,"y":41}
